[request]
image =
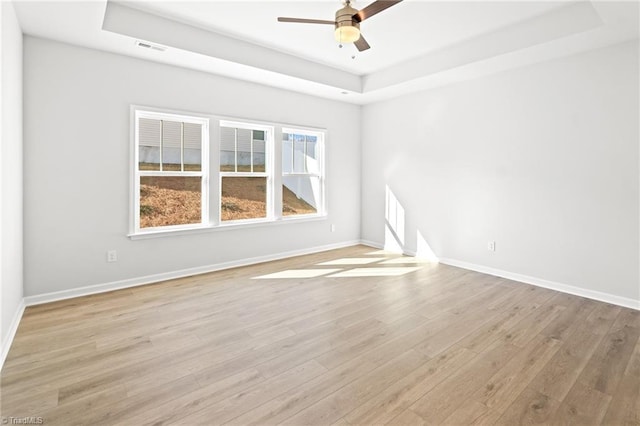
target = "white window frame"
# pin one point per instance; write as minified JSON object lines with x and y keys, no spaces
{"x":320,"y":136}
{"x":269,"y":132}
{"x":211,"y":174}
{"x":156,"y":114}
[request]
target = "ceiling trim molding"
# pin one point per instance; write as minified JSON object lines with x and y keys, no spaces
{"x":553,"y":25}
{"x":124,"y":20}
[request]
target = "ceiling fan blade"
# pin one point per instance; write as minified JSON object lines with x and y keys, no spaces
{"x":306,"y":21}
{"x":374,"y":8}
{"x":361,"y":44}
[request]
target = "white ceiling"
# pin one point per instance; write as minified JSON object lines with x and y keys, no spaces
{"x":404,"y":31}
{"x":414,"y":44}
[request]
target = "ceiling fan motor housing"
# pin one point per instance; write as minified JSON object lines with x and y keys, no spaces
{"x":344,"y":17}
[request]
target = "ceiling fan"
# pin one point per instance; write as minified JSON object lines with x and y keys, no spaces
{"x":347,"y":22}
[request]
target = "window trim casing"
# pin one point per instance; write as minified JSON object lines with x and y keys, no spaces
{"x":138,"y":111}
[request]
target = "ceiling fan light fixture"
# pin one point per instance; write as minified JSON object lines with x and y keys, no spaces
{"x":347,"y":34}
{"x":347,"y":29}
{"x":347,"y":22}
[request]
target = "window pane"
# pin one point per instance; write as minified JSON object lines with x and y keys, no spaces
{"x":149,"y":144}
{"x":227,"y":149}
{"x":192,"y":147}
{"x":243,"y":198}
{"x":287,"y":153}
{"x":171,"y":145}
{"x":312,"y":155}
{"x":166,"y":201}
{"x":259,"y":155}
{"x":300,"y":195}
{"x":243,"y":156}
{"x":298,"y":154}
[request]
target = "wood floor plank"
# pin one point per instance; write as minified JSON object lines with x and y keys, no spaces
{"x":341,"y":402}
{"x":583,"y":406}
{"x":606,"y":367}
{"x":459,"y":326}
{"x":625,"y":405}
{"x":34,"y":360}
{"x":395,"y":399}
{"x":576,"y":311}
{"x":472,"y":413}
{"x":31,"y":404}
{"x":530,"y":408}
{"x":289,"y":404}
{"x":409,"y":418}
{"x":318,"y":347}
{"x":600,"y":320}
{"x":230,"y":408}
{"x":340,"y":422}
{"x":120,"y":409}
{"x":74,"y":413}
{"x":368,"y":343}
{"x":174,"y":410}
{"x":440,"y":402}
{"x":510,"y":380}
{"x":440,"y":319}
{"x":561,"y":372}
{"x":501,"y":325}
{"x":435,"y":345}
{"x":524,"y":331}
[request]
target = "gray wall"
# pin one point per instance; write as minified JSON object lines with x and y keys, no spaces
{"x":76,"y":207}
{"x":11,"y":170}
{"x":543,"y":160}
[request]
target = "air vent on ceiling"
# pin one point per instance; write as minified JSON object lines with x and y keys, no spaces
{"x":148,"y":45}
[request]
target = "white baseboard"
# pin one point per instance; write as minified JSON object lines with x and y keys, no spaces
{"x":552,"y":285}
{"x":372,"y":244}
{"x":149,"y":279}
{"x":13,"y":328}
{"x":381,"y":247}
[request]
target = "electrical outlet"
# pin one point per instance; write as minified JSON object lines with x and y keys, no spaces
{"x":491,"y":246}
{"x":112,"y":256}
{"x":333,"y":228}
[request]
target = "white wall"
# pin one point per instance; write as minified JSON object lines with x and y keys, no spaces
{"x":76,"y":208}
{"x":542,"y":159}
{"x":10,"y":172}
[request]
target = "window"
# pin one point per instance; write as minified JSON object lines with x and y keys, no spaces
{"x":189,"y":175}
{"x":245,"y":172}
{"x":171,"y":165}
{"x":302,"y":177}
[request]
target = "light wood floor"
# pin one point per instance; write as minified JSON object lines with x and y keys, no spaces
{"x":351,"y":336}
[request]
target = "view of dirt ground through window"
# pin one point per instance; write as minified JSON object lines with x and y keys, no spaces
{"x":177,"y":200}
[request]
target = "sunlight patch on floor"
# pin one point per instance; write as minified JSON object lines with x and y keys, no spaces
{"x":352,"y":261}
{"x":297,"y":273}
{"x":378,"y":253}
{"x":375,"y":272}
{"x":403,"y":260}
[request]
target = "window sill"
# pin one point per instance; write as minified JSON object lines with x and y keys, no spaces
{"x":224,"y":227}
